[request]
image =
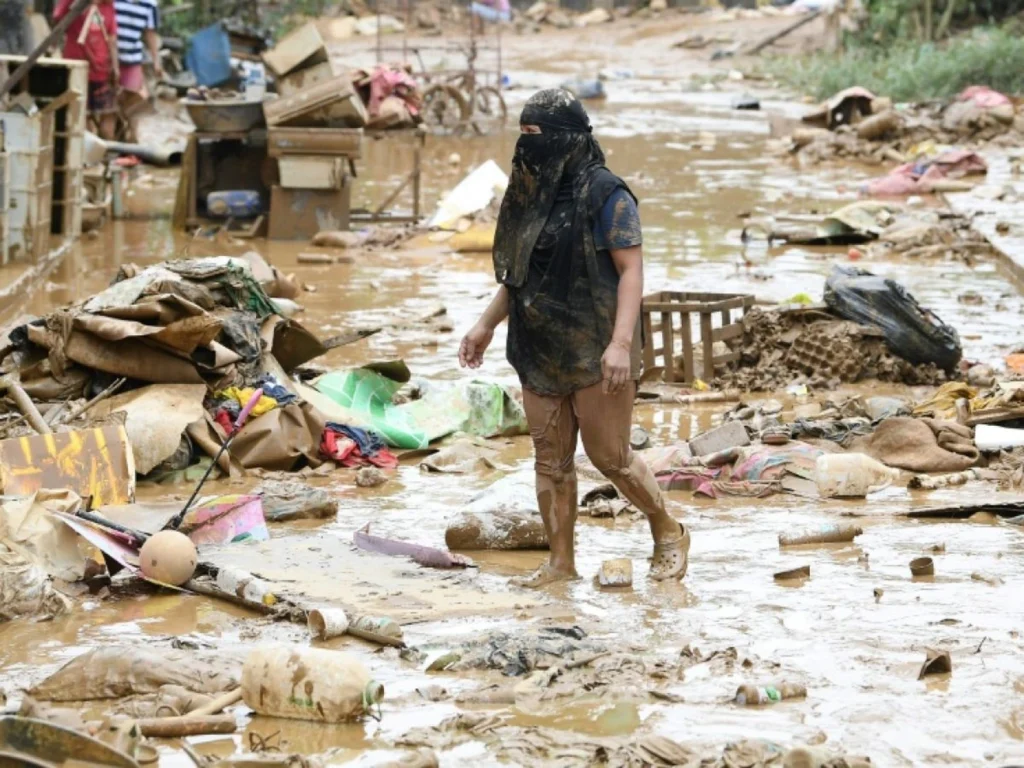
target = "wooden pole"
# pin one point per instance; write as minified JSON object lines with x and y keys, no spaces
{"x":807,"y":19}
{"x":166,"y":727}
{"x":26,"y":406}
{"x":61,"y":27}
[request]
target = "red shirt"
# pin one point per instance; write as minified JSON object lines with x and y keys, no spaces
{"x":94,"y":47}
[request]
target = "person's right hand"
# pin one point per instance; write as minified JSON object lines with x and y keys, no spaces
{"x":473,"y":346}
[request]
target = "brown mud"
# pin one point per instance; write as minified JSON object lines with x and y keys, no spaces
{"x":696,"y":165}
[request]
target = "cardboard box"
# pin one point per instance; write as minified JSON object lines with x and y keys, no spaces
{"x":298,"y":214}
{"x":302,"y":47}
{"x":300,"y":79}
{"x":331,"y":102}
{"x":346,"y":142}
{"x":312,"y":172}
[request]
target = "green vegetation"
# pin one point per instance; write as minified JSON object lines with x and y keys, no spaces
{"x":907,"y":70}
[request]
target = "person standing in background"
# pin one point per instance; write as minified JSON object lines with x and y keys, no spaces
{"x":494,"y":11}
{"x":137,"y":24}
{"x":92,"y":37}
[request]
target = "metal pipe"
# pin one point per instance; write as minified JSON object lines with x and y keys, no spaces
{"x":162,"y":156}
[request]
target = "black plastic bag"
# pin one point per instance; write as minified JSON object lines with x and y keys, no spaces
{"x":911,"y":332}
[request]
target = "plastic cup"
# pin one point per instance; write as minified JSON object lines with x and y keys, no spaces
{"x":326,"y":623}
{"x":922,"y":566}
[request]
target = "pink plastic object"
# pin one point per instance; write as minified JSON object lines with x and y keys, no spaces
{"x":244,"y":415}
{"x":226,"y":519}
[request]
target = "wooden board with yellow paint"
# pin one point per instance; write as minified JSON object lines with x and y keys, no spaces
{"x":91,"y":462}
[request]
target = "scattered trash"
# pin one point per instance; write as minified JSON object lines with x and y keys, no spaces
{"x":495,"y":530}
{"x":912,"y":332}
{"x":752,"y":696}
{"x":426,"y":556}
{"x":935,"y":663}
{"x":990,"y":438}
{"x":285,"y":500}
{"x":826,"y":534}
{"x":730,"y":435}
{"x":803,"y":572}
{"x":851,"y":475}
{"x":325,"y":623}
{"x":113,"y":672}
{"x":922,"y":566}
{"x":746,"y":102}
{"x":616,"y":573}
{"x":370,"y":477}
{"x":309,"y":684}
{"x":168,"y":557}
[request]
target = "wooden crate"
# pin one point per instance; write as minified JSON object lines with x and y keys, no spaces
{"x":672,"y":319}
{"x":28,"y":141}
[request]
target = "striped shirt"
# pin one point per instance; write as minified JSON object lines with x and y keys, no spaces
{"x":133,"y":18}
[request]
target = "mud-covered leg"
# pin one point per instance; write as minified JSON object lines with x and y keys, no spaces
{"x":553,"y":429}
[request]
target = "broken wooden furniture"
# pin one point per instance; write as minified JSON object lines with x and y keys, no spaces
{"x":43,"y":156}
{"x":675,"y":316}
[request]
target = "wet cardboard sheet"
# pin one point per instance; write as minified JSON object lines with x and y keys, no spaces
{"x":324,"y":569}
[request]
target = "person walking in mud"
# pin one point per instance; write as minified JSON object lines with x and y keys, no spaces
{"x":569,"y":259}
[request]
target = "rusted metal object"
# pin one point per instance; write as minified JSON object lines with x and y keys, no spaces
{"x":27,"y":741}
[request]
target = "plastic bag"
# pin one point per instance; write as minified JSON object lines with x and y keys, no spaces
{"x":911,"y":332}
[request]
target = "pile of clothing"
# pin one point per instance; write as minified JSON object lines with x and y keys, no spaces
{"x":354,"y":447}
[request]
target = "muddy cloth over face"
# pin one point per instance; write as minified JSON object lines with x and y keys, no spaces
{"x":563,"y":291}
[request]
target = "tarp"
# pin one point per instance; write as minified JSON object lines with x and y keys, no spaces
{"x":477,"y":407}
{"x":472,"y":194}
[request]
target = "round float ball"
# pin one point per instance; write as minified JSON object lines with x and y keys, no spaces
{"x":168,"y":557}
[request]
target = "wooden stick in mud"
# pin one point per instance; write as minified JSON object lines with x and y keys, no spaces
{"x":775,"y":36}
{"x":187,"y":725}
{"x":86,"y":406}
{"x":218,"y":704}
{"x":26,"y":406}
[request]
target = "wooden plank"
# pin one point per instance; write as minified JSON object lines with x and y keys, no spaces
{"x":668,"y":342}
{"x":730,"y":357}
{"x":686,"y":331}
{"x":735,"y":302}
{"x":728,"y":332}
{"x":314,"y":141}
{"x":325,"y":102}
{"x":312,"y":172}
{"x":648,"y":333}
{"x":708,"y":343}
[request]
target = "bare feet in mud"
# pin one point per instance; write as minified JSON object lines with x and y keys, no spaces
{"x":545,"y":575}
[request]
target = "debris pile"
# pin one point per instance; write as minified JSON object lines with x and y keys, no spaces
{"x":856,"y":124}
{"x":814,"y":347}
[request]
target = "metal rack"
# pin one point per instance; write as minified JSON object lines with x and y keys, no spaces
{"x":455,"y":100}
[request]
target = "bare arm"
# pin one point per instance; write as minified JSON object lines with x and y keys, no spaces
{"x":630,"y":265}
{"x":476,"y":341}
{"x":497,"y":310}
{"x":152,"y":41}
{"x":616,"y":361}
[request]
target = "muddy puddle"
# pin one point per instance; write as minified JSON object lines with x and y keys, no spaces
{"x":858,"y":654}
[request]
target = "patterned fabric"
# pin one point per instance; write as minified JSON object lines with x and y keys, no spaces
{"x":133,"y":18}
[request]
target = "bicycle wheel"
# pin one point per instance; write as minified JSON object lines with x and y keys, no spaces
{"x":489,"y":110}
{"x":445,"y":109}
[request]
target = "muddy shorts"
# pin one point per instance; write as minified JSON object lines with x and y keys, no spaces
{"x":101,"y":98}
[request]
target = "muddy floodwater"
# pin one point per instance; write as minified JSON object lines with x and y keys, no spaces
{"x":696,"y":165}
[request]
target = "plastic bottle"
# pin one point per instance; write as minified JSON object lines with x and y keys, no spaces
{"x":851,"y":474}
{"x":826,"y":534}
{"x":752,"y":695}
{"x":308,"y":684}
{"x":255,"y":85}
